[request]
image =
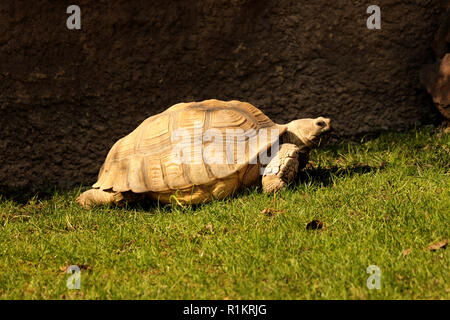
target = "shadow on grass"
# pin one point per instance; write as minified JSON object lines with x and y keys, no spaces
{"x":24,"y":195}
{"x":324,"y":176}
{"x":316,"y":176}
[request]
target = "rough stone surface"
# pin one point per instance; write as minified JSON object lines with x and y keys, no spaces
{"x":436,"y":78}
{"x":441,"y":42}
{"x":67,"y":95}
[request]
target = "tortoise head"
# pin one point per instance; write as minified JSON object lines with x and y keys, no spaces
{"x":308,"y":131}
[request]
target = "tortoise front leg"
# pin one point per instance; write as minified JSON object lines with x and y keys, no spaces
{"x":282,"y":169}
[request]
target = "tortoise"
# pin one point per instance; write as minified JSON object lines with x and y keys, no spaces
{"x":199,"y":151}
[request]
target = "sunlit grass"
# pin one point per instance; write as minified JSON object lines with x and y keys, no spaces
{"x":376,"y":199}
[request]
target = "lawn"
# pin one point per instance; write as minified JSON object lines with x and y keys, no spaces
{"x":379,"y":202}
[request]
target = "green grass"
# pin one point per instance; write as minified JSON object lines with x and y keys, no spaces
{"x":376,"y":199}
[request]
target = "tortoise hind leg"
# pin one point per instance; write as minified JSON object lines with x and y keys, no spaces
{"x":99,"y":197}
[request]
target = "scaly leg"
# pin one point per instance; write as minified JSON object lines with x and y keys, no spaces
{"x":282,"y":169}
{"x":99,"y":197}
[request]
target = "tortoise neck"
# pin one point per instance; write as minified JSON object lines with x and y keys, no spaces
{"x":290,"y":137}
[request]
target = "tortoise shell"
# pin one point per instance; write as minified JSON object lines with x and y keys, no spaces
{"x":145,"y":160}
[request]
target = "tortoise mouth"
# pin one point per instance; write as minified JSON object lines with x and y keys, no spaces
{"x":314,"y":141}
{"x":321,"y":137}
{"x":308,"y":142}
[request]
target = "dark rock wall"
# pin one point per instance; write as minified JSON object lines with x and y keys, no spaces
{"x":67,"y":95}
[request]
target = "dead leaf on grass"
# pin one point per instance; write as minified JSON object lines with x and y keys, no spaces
{"x":207,"y":229}
{"x":64,"y":267}
{"x":438,"y":245}
{"x":69,"y":225}
{"x":21,"y":216}
{"x":270,"y":212}
{"x":314,"y":225}
{"x":84,"y":266}
{"x":309,"y":166}
{"x":406,"y":252}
